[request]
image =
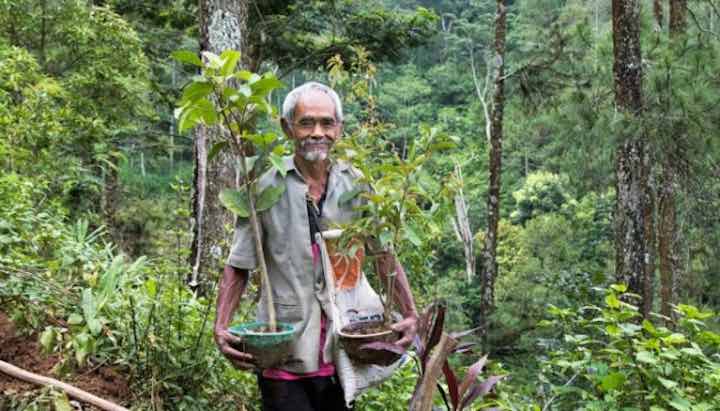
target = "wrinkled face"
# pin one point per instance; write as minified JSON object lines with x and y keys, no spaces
{"x":314,"y":126}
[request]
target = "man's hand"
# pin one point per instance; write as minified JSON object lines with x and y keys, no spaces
{"x":408,"y":328}
{"x":225,"y":342}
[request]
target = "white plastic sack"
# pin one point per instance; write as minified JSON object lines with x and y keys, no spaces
{"x":359,"y":303}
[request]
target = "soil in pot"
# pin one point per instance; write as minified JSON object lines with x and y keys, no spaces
{"x":354,"y":336}
{"x":270,"y":350}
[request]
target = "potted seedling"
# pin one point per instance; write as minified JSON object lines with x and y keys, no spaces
{"x":236,"y":101}
{"x":394,"y":211}
{"x":401,"y":198}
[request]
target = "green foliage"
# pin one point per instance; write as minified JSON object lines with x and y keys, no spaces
{"x":34,"y":118}
{"x":73,"y":87}
{"x":88,"y":91}
{"x":241,"y":101}
{"x":569,"y":249}
{"x":306,"y":34}
{"x":607,"y":358}
{"x":393,"y":394}
{"x":542,"y":192}
{"x":404,"y":199}
{"x":47,"y":398}
{"x":106,"y":309}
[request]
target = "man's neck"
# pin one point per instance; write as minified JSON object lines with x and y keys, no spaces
{"x":313,"y":171}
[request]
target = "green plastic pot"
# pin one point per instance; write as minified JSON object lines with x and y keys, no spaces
{"x":270,"y":350}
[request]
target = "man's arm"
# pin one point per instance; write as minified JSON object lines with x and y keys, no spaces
{"x":231,"y":288}
{"x":386,"y":263}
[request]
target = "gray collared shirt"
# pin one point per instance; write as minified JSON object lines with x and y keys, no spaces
{"x":299,"y":288}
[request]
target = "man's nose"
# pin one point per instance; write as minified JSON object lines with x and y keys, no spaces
{"x":317,"y":129}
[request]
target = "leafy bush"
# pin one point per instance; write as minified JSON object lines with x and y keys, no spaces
{"x":610,"y":359}
{"x":393,"y":394}
{"x":95,"y":306}
{"x":542,"y":192}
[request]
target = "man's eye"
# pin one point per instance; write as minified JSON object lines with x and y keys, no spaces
{"x":306,"y":123}
{"x":327,"y":123}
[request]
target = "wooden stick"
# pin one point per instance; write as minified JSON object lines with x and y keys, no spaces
{"x":74,"y":392}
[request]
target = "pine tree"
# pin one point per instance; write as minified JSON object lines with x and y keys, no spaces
{"x":490,"y":265}
{"x":668,"y":230}
{"x":632,"y":156}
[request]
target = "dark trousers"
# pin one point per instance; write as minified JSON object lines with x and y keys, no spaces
{"x":306,"y":394}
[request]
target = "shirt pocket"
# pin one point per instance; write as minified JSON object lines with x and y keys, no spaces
{"x":288,"y":312}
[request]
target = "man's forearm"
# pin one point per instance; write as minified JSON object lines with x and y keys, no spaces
{"x":232,"y":286}
{"x":387,"y":264}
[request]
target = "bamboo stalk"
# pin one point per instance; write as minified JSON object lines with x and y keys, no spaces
{"x":71,"y":391}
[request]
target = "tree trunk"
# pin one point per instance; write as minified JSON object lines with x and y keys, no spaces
{"x":223,"y":26}
{"x":667,"y":240}
{"x":649,"y":227}
{"x":658,"y":13}
{"x":678,"y":17}
{"x":630,"y":208}
{"x":461,"y":223}
{"x":631,"y":163}
{"x":490,"y":266}
{"x":668,"y":228}
{"x":627,"y":67}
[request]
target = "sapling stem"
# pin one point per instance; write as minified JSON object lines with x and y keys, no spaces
{"x":392,"y":272}
{"x":250,"y":192}
{"x":265,"y":279}
{"x":388,"y":307}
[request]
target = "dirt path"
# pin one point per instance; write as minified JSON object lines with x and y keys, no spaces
{"x":25,"y":352}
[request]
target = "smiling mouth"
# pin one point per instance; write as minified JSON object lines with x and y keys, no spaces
{"x":315,"y":144}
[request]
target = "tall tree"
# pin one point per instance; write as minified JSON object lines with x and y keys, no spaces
{"x":223,"y":25}
{"x":490,"y":265}
{"x":631,"y":161}
{"x":678,"y":17}
{"x":658,"y":13}
{"x":668,"y":230}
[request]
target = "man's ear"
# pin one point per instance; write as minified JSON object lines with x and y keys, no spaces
{"x":340,"y":130}
{"x":287,"y":129}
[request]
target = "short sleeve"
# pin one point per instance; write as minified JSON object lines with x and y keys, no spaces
{"x":242,"y":253}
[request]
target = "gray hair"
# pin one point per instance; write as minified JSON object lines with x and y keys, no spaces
{"x":288,"y":107}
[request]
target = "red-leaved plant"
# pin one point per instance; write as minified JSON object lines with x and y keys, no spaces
{"x":433,"y":347}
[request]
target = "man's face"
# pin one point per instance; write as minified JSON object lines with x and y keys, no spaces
{"x":314,"y":126}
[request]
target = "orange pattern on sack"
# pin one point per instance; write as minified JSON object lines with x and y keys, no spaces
{"x":347,"y":268}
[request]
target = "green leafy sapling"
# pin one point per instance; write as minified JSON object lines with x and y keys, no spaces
{"x":398,"y":207}
{"x":406,"y":192}
{"x":236,"y":100}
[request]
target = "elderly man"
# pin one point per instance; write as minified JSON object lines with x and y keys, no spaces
{"x":312,"y":117}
